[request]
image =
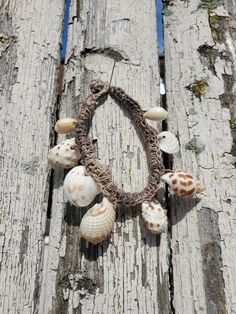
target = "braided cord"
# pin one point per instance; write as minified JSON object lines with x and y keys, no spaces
{"x":88,"y":156}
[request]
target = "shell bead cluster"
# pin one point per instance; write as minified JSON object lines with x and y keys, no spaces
{"x":83,"y":183}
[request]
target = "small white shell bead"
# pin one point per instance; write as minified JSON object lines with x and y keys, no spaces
{"x":155,"y":217}
{"x":168,"y":142}
{"x":80,"y":189}
{"x":182,"y":183}
{"x":156,"y":114}
{"x":65,"y":125}
{"x":98,"y":222}
{"x":63,"y":156}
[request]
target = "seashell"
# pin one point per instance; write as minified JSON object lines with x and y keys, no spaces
{"x":65,"y":125}
{"x":80,"y":189}
{"x":155,"y":217}
{"x":156,"y":114}
{"x":63,"y":156}
{"x":168,"y":142}
{"x":182,"y":183}
{"x":98,"y":222}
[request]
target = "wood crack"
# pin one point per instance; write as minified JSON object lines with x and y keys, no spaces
{"x":111,"y":52}
{"x":167,"y":160}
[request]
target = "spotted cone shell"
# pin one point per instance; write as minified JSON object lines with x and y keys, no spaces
{"x":98,"y":222}
{"x":168,"y":142}
{"x":155,"y":217}
{"x":156,"y":114}
{"x":80,"y":189}
{"x":63,"y":156}
{"x":182,"y":183}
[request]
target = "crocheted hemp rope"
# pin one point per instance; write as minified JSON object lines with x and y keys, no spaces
{"x":88,"y":156}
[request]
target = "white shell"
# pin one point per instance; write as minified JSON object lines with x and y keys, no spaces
{"x":168,"y":142}
{"x":80,"y":189}
{"x":98,"y":222}
{"x":156,"y":114}
{"x":65,"y":125}
{"x":182,"y":183}
{"x":155,"y":217}
{"x":64,"y":155}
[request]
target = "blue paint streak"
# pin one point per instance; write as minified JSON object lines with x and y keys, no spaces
{"x":160,"y":31}
{"x":65,"y":31}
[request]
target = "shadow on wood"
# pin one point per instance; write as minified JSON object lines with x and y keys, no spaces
{"x":182,"y":207}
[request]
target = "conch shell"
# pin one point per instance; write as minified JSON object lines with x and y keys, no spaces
{"x":155,"y":217}
{"x":98,"y":222}
{"x":182,"y":183}
{"x":168,"y":142}
{"x":156,"y":114}
{"x":64,"y":155}
{"x":80,"y":189}
{"x":65,"y":125}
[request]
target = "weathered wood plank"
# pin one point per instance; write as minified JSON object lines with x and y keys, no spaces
{"x":29,"y":56}
{"x":200,"y":61}
{"x":129,"y":272}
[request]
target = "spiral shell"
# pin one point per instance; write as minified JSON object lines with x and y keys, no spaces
{"x":65,"y":125}
{"x":182,"y":183}
{"x":80,"y":189}
{"x":156,"y":114}
{"x":155,"y":217}
{"x":168,"y":142}
{"x":64,"y":155}
{"x":98,"y":222}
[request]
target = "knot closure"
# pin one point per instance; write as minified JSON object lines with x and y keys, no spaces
{"x":99,"y":88}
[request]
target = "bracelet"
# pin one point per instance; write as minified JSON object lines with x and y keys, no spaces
{"x":88,"y":156}
{"x":83,"y":183}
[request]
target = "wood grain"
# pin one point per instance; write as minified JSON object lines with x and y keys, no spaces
{"x":200,"y":62}
{"x":129,"y":272}
{"x":29,"y":58}
{"x":192,"y":268}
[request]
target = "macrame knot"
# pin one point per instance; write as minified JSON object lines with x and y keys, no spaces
{"x":99,"y":88}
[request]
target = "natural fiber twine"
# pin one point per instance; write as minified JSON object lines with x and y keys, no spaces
{"x":88,"y":156}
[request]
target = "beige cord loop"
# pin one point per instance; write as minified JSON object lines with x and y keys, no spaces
{"x":88,"y":157}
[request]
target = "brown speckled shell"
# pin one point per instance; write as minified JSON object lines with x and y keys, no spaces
{"x":182,"y":183}
{"x":155,"y":217}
